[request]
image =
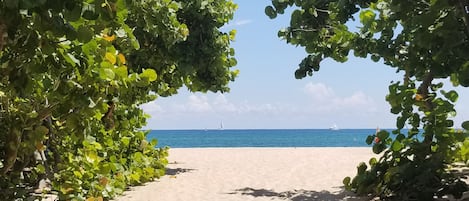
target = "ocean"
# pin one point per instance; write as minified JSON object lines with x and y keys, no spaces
{"x":261,"y":138}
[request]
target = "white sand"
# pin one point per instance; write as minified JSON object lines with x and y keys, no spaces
{"x":257,"y":174}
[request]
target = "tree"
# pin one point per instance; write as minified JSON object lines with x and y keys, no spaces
{"x":72,"y":77}
{"x":429,"y":41}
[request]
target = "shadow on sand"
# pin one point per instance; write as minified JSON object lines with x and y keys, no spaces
{"x":300,"y":195}
{"x":176,"y":171}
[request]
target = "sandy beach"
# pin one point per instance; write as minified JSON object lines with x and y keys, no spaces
{"x":253,"y":174}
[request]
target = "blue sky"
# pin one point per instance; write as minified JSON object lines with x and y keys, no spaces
{"x":266,"y":94}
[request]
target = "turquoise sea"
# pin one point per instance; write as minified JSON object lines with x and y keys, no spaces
{"x":262,"y":138}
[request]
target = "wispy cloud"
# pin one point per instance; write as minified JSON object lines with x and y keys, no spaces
{"x":202,"y":104}
{"x":238,"y":23}
{"x":318,"y":106}
{"x":152,"y":107}
{"x":242,"y":22}
{"x":323,"y":98}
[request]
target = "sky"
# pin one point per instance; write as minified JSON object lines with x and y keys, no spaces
{"x":266,"y":94}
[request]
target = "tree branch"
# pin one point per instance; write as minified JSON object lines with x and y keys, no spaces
{"x":465,"y":12}
{"x":423,"y":90}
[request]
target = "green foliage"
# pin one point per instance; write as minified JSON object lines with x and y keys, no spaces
{"x":73,"y":75}
{"x":462,"y":153}
{"x":427,"y":40}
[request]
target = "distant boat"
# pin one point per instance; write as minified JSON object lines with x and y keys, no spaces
{"x":334,"y":127}
{"x":221,"y":126}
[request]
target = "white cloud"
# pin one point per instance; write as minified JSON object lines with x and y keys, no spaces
{"x":214,"y":105}
{"x":222,"y":104}
{"x":319,"y":92}
{"x":319,"y":106}
{"x":357,"y":99}
{"x":324,"y":99}
{"x":242,"y":22}
{"x":238,"y":23}
{"x":198,"y":104}
{"x":152,"y":107}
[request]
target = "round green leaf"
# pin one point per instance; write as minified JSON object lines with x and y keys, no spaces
{"x":370,"y":139}
{"x":74,"y":14}
{"x":106,"y":74}
{"x":383,"y":135}
{"x":41,"y":131}
{"x":361,"y":168}
{"x":346,"y":181}
{"x":452,"y":96}
{"x":90,"y":15}
{"x":84,"y":34}
{"x":150,"y":74}
{"x":40,"y":169}
{"x":465,"y":125}
{"x":378,"y":148}
{"x":269,"y":11}
{"x":372,"y":161}
{"x":121,"y":71}
{"x":396,"y":146}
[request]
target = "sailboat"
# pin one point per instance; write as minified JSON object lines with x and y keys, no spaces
{"x":221,"y":126}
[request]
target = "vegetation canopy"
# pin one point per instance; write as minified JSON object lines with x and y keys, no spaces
{"x":73,"y":75}
{"x":428,"y":40}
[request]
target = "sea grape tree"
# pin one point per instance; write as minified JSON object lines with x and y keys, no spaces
{"x":73,"y":74}
{"x":427,"y":40}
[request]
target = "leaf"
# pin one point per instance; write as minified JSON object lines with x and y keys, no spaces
{"x":84,"y":34}
{"x":150,"y":74}
{"x":40,"y":169}
{"x":361,"y":168}
{"x":465,"y":125}
{"x":125,"y":141}
{"x":74,"y":14}
{"x":370,"y":139}
{"x":270,"y":12}
{"x":373,"y":161}
{"x":121,"y":71}
{"x":121,"y":58}
{"x":232,"y":35}
{"x":233,"y":62}
{"x":110,"y":57}
{"x":452,"y":96}
{"x":41,"y":131}
{"x":367,"y":17}
{"x":106,"y":74}
{"x":33,"y":114}
{"x":346,"y":181}
{"x":40,"y":146}
{"x":382,"y":135}
{"x":375,"y":57}
{"x":90,"y":14}
{"x":109,"y":38}
{"x":418,"y":97}
{"x":396,"y":146}
{"x":135,"y":177}
{"x":92,"y":157}
{"x":378,"y":148}
{"x":313,"y":12}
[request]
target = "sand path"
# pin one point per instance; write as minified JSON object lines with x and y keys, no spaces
{"x":253,"y":174}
